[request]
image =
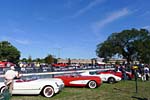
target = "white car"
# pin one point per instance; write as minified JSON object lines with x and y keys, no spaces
{"x":110,"y":78}
{"x":33,"y":85}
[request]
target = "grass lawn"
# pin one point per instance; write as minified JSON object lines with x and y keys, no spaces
{"x":124,"y":90}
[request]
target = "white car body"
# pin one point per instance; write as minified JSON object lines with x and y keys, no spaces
{"x":104,"y":77}
{"x":35,"y":86}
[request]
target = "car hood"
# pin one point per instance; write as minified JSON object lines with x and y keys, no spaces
{"x":50,"y":79}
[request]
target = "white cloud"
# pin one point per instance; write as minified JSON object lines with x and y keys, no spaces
{"x":112,"y":17}
{"x":23,"y":42}
{"x":147,"y":27}
{"x":19,"y":41}
{"x":88,"y":7}
{"x":18,"y":31}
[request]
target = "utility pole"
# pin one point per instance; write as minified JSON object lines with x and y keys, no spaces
{"x":58,"y":51}
{"x":135,"y":75}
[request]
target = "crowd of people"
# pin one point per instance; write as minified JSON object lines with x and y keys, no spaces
{"x":142,"y":70}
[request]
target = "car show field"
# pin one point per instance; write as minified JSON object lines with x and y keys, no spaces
{"x":124,"y":90}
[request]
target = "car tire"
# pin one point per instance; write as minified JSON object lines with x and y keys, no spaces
{"x":92,"y":84}
{"x":111,"y":80}
{"x":48,"y":91}
{"x":2,"y":90}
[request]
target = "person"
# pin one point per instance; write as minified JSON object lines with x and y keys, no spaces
{"x":143,"y":74}
{"x":146,"y":72}
{"x":124,"y":76}
{"x":9,"y":77}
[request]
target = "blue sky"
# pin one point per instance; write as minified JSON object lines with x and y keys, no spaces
{"x":67,"y":28}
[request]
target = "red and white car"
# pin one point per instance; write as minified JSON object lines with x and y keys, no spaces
{"x":4,"y":64}
{"x":76,"y":80}
{"x":106,"y":77}
{"x":118,"y":73}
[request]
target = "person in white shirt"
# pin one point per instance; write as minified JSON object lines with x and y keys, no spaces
{"x":9,"y":77}
{"x":146,"y":72}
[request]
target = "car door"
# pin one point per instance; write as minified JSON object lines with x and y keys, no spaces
{"x":104,"y":77}
{"x":25,"y":86}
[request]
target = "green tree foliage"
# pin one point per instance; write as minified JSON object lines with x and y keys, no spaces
{"x":49,"y":59}
{"x":69,"y":61}
{"x":29,"y":59}
{"x":55,"y":60}
{"x":40,"y":60}
{"x":8,"y":52}
{"x":24,"y":60}
{"x":130,"y":44}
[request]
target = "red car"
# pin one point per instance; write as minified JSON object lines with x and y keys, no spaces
{"x":4,"y":64}
{"x":81,"y":81}
{"x":118,"y":73}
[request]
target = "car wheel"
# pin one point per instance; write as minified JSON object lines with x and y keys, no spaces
{"x":92,"y":84}
{"x":111,"y":80}
{"x":48,"y":91}
{"x":2,"y":90}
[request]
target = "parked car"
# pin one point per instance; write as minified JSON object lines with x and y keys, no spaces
{"x":4,"y":64}
{"x":76,"y":80}
{"x":110,"y":78}
{"x":33,"y":85}
{"x":118,"y":73}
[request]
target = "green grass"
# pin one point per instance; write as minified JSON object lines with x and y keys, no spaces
{"x":124,"y":90}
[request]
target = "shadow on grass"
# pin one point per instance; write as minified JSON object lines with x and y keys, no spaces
{"x":124,"y":90}
{"x":138,"y":98}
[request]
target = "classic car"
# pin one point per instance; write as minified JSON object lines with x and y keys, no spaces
{"x":110,"y":78}
{"x":118,"y":73}
{"x":33,"y":85}
{"x":76,"y":80}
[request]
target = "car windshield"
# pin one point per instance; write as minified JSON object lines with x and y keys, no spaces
{"x":93,"y":73}
{"x":75,"y":74}
{"x":31,"y":77}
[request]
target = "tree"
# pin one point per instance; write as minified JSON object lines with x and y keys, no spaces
{"x":49,"y":59}
{"x":37,"y":60}
{"x":130,"y":44}
{"x":23,"y":60}
{"x":143,"y":47}
{"x":69,"y":61}
{"x":8,"y":52}
{"x":29,"y":59}
{"x":55,"y":60}
{"x":40,"y":60}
